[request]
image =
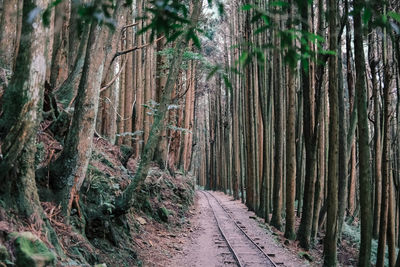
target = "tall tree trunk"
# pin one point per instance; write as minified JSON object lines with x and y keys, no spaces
{"x":377,"y":135}
{"x":59,"y":61}
{"x":291,"y":157}
{"x":291,"y":148}
{"x":363,"y":139}
{"x":304,"y":231}
{"x":384,"y":220}
{"x":343,"y":155}
{"x":330,"y":242}
{"x":321,"y":148}
{"x":17,"y":167}
{"x":161,"y":150}
{"x":69,"y":171}
{"x":129,"y":82}
{"x":278,"y":153}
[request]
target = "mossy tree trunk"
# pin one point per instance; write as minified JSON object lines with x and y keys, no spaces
{"x":69,"y":171}
{"x":363,"y":142}
{"x":17,"y":167}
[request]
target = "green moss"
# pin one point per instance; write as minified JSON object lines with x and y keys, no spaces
{"x":30,"y":251}
{"x":306,"y":256}
{"x":4,"y":256}
{"x":13,"y":101}
{"x":126,"y":153}
{"x":163,"y":214}
{"x":40,"y":153}
{"x":105,"y":161}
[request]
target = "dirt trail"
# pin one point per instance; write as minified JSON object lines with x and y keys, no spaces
{"x":204,"y":246}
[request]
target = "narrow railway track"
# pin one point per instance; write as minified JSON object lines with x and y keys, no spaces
{"x":244,"y":249}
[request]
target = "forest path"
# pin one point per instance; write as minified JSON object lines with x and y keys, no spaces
{"x":205,"y":246}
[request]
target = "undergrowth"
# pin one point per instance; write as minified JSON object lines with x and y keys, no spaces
{"x":352,"y":233}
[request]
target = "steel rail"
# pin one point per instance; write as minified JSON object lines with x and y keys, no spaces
{"x":223,"y":234}
{"x":248,"y":237}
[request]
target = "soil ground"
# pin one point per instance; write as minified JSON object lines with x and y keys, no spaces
{"x":198,"y":244}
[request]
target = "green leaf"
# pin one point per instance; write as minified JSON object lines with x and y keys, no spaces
{"x":47,"y":12}
{"x":266,"y":19}
{"x":174,"y":36}
{"x":261,"y":29}
{"x":46,"y":17}
{"x":212,"y":72}
{"x":243,"y":58}
{"x":314,"y":37}
{"x":367,"y":15}
{"x":220,"y":9}
{"x":227,"y":82}
{"x":384,"y":19}
{"x":327,"y":52}
{"x":278,"y":4}
{"x":196,"y":41}
{"x":394,"y":15}
{"x":247,"y":7}
{"x":256,"y":17}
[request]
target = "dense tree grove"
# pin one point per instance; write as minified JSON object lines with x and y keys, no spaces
{"x":76,"y":70}
{"x":308,"y":124}
{"x":291,"y":106}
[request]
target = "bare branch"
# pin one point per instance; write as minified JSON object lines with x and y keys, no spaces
{"x":115,"y":77}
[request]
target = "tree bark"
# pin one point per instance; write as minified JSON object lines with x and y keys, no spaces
{"x":124,"y":202}
{"x":330,"y":242}
{"x":363,"y":139}
{"x":278,"y":137}
{"x":17,"y":167}
{"x":304,"y":231}
{"x":8,"y":33}
{"x":69,"y":171}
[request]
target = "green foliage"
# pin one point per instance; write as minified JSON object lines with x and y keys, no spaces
{"x":188,"y":56}
{"x":100,"y":11}
{"x":151,"y":106}
{"x":352,"y":233}
{"x":47,"y":12}
{"x":30,"y":251}
{"x":179,"y":129}
{"x":289,"y":38}
{"x":163,"y":213}
{"x":40,"y":153}
{"x":223,"y":72}
{"x":306,"y":256}
{"x":168,"y":17}
{"x":101,"y":188}
{"x":13,"y":101}
{"x":374,"y":16}
{"x":4,"y":256}
{"x":394,"y":15}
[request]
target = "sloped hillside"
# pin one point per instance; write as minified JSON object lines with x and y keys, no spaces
{"x":92,"y":237}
